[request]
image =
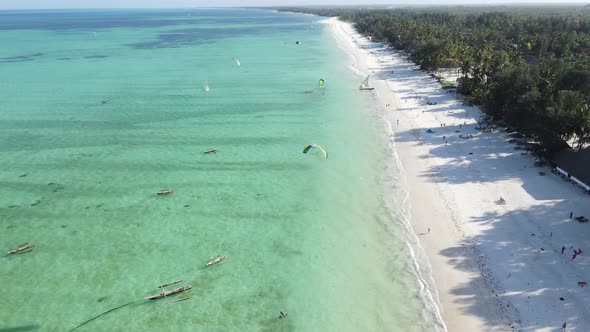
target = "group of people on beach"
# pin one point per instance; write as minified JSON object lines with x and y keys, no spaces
{"x":575,"y":254}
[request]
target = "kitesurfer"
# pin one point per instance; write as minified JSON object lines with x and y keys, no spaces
{"x":310,"y":146}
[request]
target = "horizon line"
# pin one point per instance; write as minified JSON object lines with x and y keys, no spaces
{"x":358,"y":6}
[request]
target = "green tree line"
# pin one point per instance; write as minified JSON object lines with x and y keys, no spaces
{"x":527,"y":67}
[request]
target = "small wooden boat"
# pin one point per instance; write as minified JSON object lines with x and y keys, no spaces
{"x":165,"y":192}
{"x":209,"y":151}
{"x":22,"y":248}
{"x":217,"y":260}
{"x":168,"y":293}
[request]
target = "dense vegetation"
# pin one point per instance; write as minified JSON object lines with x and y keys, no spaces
{"x":527,"y":67}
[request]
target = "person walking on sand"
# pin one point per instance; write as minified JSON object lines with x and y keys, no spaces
{"x":563,"y":326}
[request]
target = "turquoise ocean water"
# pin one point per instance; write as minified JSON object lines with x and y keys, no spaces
{"x":99,"y":110}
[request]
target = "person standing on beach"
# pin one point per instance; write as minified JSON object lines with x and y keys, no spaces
{"x":571,"y":214}
{"x":562,"y":249}
{"x":563,"y":326}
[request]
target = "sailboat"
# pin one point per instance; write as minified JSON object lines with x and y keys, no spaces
{"x":365,"y":85}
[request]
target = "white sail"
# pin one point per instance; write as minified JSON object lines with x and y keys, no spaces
{"x":365,"y":85}
{"x":206,"y":87}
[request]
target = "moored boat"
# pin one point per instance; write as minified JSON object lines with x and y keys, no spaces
{"x":165,"y":192}
{"x":217,"y":260}
{"x":168,"y":293}
{"x":22,"y":248}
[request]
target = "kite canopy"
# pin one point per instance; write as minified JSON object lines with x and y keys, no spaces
{"x":316,"y":146}
{"x":236,"y":61}
{"x":321,"y":82}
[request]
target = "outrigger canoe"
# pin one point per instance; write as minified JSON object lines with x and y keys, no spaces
{"x":165,"y":192}
{"x":217,"y":260}
{"x":22,"y":248}
{"x":168,"y":293}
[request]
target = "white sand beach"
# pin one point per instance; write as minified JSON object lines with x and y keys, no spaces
{"x":495,"y":267}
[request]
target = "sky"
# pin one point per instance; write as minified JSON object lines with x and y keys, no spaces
{"x":54,"y":4}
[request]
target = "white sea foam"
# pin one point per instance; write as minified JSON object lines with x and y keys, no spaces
{"x":421,"y":268}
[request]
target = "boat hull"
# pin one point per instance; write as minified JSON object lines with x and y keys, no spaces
{"x":168,"y":293}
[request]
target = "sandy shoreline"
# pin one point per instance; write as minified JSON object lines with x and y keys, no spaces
{"x":494,"y":267}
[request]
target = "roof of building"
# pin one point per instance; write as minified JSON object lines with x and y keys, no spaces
{"x":575,"y":163}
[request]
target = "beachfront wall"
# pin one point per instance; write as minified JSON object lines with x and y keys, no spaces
{"x":574,"y":165}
